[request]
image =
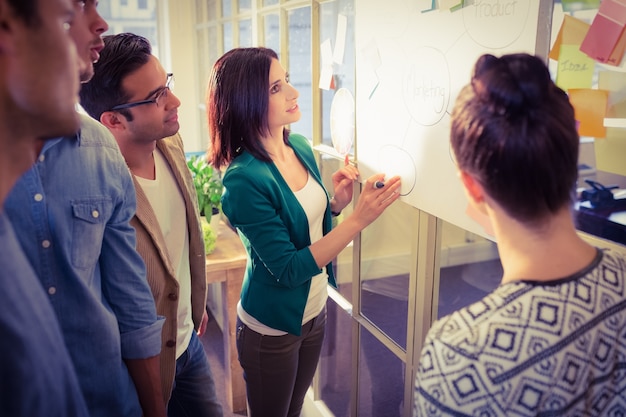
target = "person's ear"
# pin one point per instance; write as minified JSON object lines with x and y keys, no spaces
{"x":112,"y":120}
{"x":473,"y":188}
{"x":478,"y":207}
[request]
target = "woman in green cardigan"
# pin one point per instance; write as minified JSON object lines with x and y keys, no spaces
{"x":275,"y":198}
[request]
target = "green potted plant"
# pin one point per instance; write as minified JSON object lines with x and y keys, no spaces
{"x":208,"y":184}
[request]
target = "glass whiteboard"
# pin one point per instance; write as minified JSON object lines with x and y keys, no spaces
{"x":411,"y":63}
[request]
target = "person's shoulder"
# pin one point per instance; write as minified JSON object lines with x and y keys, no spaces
{"x":98,"y":146}
{"x":94,"y":133}
{"x":303,"y":147}
{"x":247,"y":171}
{"x":299,"y":141}
{"x":445,"y":328}
{"x":613,"y":256}
{"x":478,"y":317}
{"x":244,"y":162}
{"x":299,"y":137}
{"x":611,"y":269}
{"x":174,"y":146}
{"x":175,"y":141}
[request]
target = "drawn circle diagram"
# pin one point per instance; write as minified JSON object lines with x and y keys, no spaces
{"x":393,"y":161}
{"x":507,"y":18}
{"x":426,"y":88}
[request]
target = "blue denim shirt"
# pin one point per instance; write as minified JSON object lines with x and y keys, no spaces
{"x":71,"y":213}
{"x":37,"y":375}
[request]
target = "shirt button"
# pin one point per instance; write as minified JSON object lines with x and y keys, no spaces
{"x":45,"y":244}
{"x":170,"y":343}
{"x":95,"y":214}
{"x":38,"y":197}
{"x":52,"y":290}
{"x":42,"y":158}
{"x":172,"y":296}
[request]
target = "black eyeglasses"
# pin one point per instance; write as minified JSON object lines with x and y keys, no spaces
{"x":158,"y":95}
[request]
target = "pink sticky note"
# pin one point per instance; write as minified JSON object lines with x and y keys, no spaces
{"x":606,"y":38}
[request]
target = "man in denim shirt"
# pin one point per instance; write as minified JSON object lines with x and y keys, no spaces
{"x":38,"y":89}
{"x":72,"y":211}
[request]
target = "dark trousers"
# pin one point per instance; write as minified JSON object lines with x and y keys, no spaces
{"x":194,"y":393}
{"x":278,"y":370}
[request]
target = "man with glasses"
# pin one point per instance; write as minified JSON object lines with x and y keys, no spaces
{"x":159,"y":95}
{"x":131,"y":95}
{"x":73,"y":210}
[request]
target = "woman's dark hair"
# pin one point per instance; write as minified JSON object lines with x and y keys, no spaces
{"x":122,"y":55}
{"x":514,"y":130}
{"x":237,"y":104}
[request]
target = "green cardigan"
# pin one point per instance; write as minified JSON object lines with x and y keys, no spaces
{"x":275,"y":232}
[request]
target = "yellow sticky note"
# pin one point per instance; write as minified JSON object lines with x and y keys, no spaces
{"x":615,"y":83}
{"x":575,"y":68}
{"x":590,"y":110}
{"x":610,"y":152}
{"x":572,"y":32}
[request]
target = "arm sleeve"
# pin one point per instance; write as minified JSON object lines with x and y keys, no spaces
{"x":124,"y":283}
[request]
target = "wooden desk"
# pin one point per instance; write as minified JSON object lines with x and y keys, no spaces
{"x":226,"y":266}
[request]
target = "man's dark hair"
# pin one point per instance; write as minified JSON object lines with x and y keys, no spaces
{"x":122,"y":55}
{"x":27,"y":10}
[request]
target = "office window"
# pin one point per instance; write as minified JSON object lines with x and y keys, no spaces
{"x":245,"y":33}
{"x":245,"y":6}
{"x":226,"y":8}
{"x":299,"y":67}
{"x":333,"y":16}
{"x":248,"y":23}
{"x":271,"y":27}
{"x":229,"y":42}
{"x":139,"y":17}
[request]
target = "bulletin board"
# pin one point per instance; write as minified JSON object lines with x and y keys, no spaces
{"x":412,"y":59}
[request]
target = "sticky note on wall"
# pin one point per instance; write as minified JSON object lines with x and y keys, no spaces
{"x":615,"y":83}
{"x":571,"y":32}
{"x":606,"y":38}
{"x":575,"y":69}
{"x":590,"y":110}
{"x":576,"y":5}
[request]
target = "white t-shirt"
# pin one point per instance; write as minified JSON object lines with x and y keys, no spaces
{"x":312,"y":198}
{"x":168,"y":204}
